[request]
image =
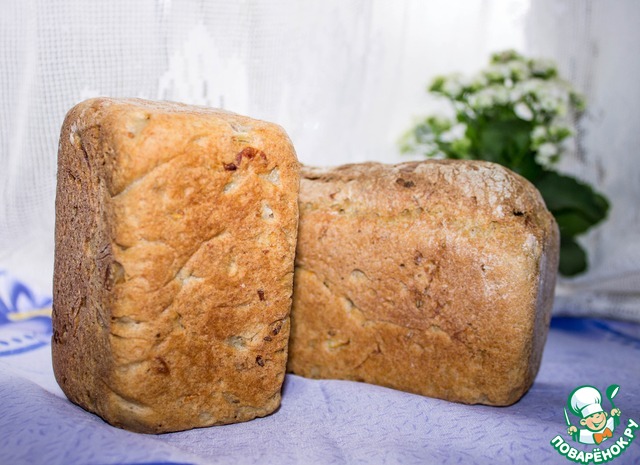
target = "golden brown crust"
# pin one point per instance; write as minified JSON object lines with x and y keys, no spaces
{"x":431,"y":277}
{"x":175,"y":234}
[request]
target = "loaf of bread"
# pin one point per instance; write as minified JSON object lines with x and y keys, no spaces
{"x":432,"y":277}
{"x":175,"y":237}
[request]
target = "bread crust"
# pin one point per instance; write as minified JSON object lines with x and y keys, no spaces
{"x":175,"y":236}
{"x":432,"y":277}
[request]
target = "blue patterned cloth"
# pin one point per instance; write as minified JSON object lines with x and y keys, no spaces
{"x":323,"y":422}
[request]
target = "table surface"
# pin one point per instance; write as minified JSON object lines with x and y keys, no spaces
{"x":328,"y":421}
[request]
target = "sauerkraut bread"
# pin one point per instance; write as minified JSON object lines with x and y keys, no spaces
{"x":175,"y":237}
{"x":432,"y":277}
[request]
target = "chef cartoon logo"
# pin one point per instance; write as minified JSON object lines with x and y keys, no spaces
{"x":596,"y":425}
{"x":589,"y":423}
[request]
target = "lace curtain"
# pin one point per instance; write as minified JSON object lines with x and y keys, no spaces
{"x":344,"y":78}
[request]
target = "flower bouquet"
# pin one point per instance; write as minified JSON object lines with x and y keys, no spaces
{"x":517,"y":112}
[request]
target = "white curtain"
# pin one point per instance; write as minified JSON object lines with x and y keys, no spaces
{"x":597,"y":46}
{"x":344,"y":77}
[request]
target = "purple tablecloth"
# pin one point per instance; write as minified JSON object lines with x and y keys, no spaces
{"x":327,"y":422}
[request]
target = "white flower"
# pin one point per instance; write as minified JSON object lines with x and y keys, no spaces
{"x":518,"y":70}
{"x":430,"y":147}
{"x":539,"y":136}
{"x":542,"y":66}
{"x":452,"y":86}
{"x":497,"y":72}
{"x":489,"y":97}
{"x":553,"y":99}
{"x":523,"y":111}
{"x":455,"y":133}
{"x":547,"y":153}
{"x":480,"y":100}
{"x":529,"y":87}
{"x":500,"y":95}
{"x":516,"y":94}
{"x":542,"y":96}
{"x":539,"y":133}
{"x":478,"y":81}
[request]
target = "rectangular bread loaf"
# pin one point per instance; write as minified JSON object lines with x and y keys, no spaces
{"x":175,"y":238}
{"x":432,"y":277}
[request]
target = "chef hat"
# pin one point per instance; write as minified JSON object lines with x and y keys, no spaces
{"x":585,"y":401}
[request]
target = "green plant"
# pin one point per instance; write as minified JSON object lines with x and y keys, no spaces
{"x":519,"y":113}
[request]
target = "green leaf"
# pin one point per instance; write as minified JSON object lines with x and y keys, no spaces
{"x":506,"y":141}
{"x":462,"y":148}
{"x":505,"y":56}
{"x":572,"y":223}
{"x":437,"y":84}
{"x":565,"y":194}
{"x":573,"y":258}
{"x":559,"y":133}
{"x":578,"y":101}
{"x":439,"y":124}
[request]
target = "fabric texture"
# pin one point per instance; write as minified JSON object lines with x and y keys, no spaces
{"x":321,"y":421}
